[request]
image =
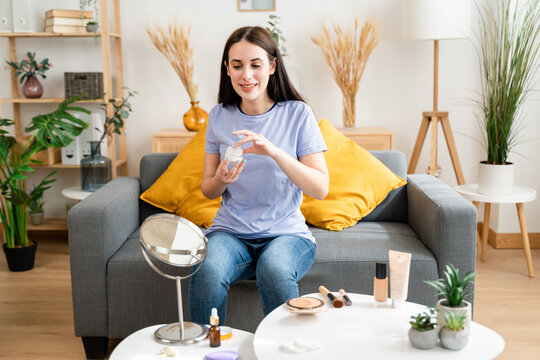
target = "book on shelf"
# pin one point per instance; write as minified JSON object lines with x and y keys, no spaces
{"x":65,"y":29}
{"x":77,"y":14}
{"x":65,"y":21}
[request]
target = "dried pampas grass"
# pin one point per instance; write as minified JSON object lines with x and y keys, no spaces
{"x":347,"y":53}
{"x":175,"y":46}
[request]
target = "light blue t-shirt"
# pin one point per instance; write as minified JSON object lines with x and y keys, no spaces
{"x":263,"y":202}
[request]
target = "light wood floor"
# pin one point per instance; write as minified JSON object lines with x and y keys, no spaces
{"x":36,"y":320}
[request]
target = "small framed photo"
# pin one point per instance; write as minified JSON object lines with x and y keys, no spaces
{"x":256,"y":5}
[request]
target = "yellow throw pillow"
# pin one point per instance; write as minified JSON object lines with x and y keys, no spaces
{"x":358,"y":183}
{"x":178,"y":189}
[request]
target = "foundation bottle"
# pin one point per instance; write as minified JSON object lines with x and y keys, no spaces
{"x":214,"y":335}
{"x":380,"y":284}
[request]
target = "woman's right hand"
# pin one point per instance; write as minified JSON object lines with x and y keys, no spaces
{"x":226,"y":176}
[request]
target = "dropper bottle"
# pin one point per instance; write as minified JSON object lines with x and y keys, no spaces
{"x":215,"y":332}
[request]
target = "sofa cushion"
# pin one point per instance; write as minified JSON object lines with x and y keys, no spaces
{"x":358,"y":183}
{"x":178,"y":189}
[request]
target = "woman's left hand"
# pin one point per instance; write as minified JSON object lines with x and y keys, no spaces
{"x":261,"y":145}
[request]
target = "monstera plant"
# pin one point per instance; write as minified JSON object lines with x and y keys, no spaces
{"x":53,"y":130}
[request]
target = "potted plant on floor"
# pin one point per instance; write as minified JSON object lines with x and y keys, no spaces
{"x":35,"y":201}
{"x":453,"y":288}
{"x":53,"y":130}
{"x":454,"y":335}
{"x":422,"y":334}
{"x":509,"y":52}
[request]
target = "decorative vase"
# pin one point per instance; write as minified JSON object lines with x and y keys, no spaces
{"x":424,"y":340}
{"x":443,"y":308}
{"x":36,"y":218}
{"x":32,"y":88}
{"x":495,"y":179}
{"x":349,"y":110}
{"x":454,"y":340}
{"x":21,"y":258}
{"x":95,"y":169}
{"x":195,"y":118}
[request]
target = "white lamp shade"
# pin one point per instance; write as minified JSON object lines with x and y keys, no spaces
{"x":435,"y":19}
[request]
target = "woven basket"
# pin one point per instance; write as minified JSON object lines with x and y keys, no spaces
{"x":88,"y":84}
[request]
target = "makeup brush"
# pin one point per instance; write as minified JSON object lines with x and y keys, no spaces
{"x":346,"y":298}
{"x":335,"y":301}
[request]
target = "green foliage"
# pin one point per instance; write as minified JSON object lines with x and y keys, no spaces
{"x":424,"y":321}
{"x":277,"y":34}
{"x":86,"y":4}
{"x":29,"y":67}
{"x":121,"y":109}
{"x":35,"y":201}
{"x":509,"y":52}
{"x":452,"y":287}
{"x":56,"y":129}
{"x":454,"y":321}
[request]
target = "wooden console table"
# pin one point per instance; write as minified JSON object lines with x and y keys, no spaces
{"x":370,"y":138}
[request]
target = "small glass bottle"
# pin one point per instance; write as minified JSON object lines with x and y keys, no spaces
{"x":380,"y":284}
{"x":214,"y":334}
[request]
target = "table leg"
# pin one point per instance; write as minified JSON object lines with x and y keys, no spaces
{"x":478,"y":238}
{"x":525,"y":237}
{"x":485,"y":230}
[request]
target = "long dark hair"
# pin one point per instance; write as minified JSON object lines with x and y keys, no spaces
{"x":279,"y":87}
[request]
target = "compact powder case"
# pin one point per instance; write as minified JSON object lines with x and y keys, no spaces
{"x":304,"y":303}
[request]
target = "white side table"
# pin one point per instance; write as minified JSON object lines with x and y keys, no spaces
{"x":519,"y":195}
{"x":362,"y":331}
{"x":141,"y":345}
{"x":75,"y":193}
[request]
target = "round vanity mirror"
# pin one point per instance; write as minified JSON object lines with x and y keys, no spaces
{"x":175,"y":241}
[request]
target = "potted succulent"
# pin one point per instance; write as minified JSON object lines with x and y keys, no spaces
{"x":28,"y":70}
{"x":454,"y":335}
{"x":56,"y":129}
{"x":423,"y":334}
{"x":92,"y":26}
{"x":509,"y":53}
{"x":453,"y":288}
{"x":35,"y":201}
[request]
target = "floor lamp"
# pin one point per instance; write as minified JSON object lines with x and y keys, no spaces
{"x":435,"y":20}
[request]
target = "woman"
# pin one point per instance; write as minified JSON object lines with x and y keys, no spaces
{"x":258,"y":229}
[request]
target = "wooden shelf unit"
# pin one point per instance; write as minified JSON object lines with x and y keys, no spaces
{"x":44,"y":101}
{"x":51,"y":34}
{"x":107,"y":41}
{"x":370,"y":138}
{"x":119,"y":157}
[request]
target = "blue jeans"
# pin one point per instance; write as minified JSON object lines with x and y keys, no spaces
{"x":278,"y":264}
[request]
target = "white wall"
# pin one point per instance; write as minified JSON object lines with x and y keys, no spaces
{"x":397,"y":84}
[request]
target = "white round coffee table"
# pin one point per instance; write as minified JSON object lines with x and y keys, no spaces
{"x":361,"y":331}
{"x":518,"y":196}
{"x":141,"y":345}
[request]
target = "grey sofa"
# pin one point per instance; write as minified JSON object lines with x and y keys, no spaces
{"x":115,"y":292}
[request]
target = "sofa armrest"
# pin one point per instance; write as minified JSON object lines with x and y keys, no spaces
{"x":444,"y":220}
{"x":97,"y":227}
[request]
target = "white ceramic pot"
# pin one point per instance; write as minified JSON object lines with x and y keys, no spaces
{"x":442,"y":309}
{"x":454,"y":340}
{"x":424,"y":340}
{"x":36,"y":218}
{"x":495,"y":179}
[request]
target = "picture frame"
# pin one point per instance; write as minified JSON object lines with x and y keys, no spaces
{"x":256,"y":5}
